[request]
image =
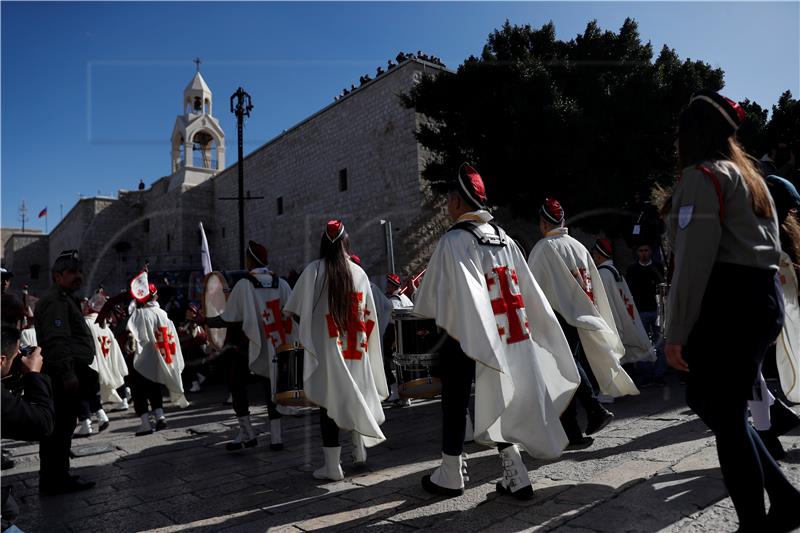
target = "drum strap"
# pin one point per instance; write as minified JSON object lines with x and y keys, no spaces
{"x":614,"y":272}
{"x":486,"y":239}
{"x":257,"y":284}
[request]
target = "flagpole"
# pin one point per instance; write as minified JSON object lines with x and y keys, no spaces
{"x":45,"y":222}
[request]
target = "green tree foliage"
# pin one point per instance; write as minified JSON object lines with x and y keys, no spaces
{"x":784,"y":125}
{"x":589,"y":120}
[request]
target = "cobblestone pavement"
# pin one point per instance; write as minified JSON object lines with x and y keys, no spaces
{"x":654,"y":468}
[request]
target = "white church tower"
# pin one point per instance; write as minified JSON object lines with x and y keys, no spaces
{"x":198,"y":142}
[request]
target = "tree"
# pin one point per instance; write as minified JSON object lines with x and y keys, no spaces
{"x":589,"y":120}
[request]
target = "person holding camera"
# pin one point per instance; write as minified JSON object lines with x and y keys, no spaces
{"x":68,"y":350}
{"x":24,"y":417}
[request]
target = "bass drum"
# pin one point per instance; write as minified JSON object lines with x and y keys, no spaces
{"x":216,"y":288}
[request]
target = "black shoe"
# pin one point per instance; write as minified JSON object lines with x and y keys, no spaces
{"x":580,"y":443}
{"x":782,"y":418}
{"x":276,"y":447}
{"x":433,"y":488}
{"x":525,"y":493}
{"x":103,"y":426}
{"x":65,"y":486}
{"x":161,"y":423}
{"x":772,"y":443}
{"x":598,"y":420}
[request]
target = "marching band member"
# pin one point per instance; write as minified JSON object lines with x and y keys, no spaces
{"x":398,"y":299}
{"x":568,"y":276}
{"x":478,"y":288}
{"x":255,"y":302}
{"x":626,"y":316}
{"x":343,"y":367}
{"x":725,"y":306}
{"x":158,"y":358}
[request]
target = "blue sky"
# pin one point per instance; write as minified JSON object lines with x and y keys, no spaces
{"x":90,"y":91}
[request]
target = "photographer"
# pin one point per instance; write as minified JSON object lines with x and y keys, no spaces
{"x":26,"y":417}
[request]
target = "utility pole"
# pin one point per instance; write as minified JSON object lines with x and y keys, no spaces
{"x":23,"y":215}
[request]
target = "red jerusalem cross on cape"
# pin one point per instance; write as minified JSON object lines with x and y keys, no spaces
{"x":105,"y":344}
{"x":509,"y":304}
{"x":353,"y":347}
{"x":274,"y":323}
{"x":166,"y":347}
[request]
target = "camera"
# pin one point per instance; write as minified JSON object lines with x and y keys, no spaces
{"x":13,"y":381}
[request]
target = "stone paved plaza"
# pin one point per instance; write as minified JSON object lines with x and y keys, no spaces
{"x":653,"y":469}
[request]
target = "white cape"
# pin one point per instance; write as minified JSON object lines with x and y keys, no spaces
{"x":342,"y":373}
{"x":525,"y":375}
{"x":156,"y":341}
{"x":108,"y":361}
{"x":787,"y":351}
{"x":626,"y":317}
{"x":558,"y":262}
{"x":259,"y":311}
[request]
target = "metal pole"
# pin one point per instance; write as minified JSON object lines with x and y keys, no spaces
{"x":241,"y":109}
{"x":387,"y":227}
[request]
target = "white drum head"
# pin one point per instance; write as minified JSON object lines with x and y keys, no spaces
{"x":214,"y":298}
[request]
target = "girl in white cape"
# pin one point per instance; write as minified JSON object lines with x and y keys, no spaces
{"x":343,"y":366}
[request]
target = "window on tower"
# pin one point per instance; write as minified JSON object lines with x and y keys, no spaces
{"x":198,"y":103}
{"x":343,"y":179}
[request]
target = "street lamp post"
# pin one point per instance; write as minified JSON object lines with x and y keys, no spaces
{"x":241,"y":109}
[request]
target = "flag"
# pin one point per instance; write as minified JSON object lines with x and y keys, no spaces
{"x":43,"y":213}
{"x":205,"y":254}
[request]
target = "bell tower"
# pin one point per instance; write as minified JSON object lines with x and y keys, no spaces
{"x":198,"y":142}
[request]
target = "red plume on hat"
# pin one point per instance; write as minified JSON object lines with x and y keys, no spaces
{"x":552,"y":211}
{"x":604,"y":248}
{"x":394,"y":279}
{"x":334,"y":230}
{"x":471,"y":185}
{"x":355,"y":259}
{"x":258,"y":252}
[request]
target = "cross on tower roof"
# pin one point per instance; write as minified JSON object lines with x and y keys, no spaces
{"x":197,"y":62}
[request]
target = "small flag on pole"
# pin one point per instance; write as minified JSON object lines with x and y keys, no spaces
{"x":205,"y":253}
{"x":43,"y":213}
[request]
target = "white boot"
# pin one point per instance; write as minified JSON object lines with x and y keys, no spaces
{"x":515,"y":475}
{"x":84,"y":428}
{"x":448,"y":479}
{"x":359,"y":450}
{"x":245,"y":438}
{"x":469,"y":433}
{"x":161,"y":420}
{"x":121,"y":406}
{"x":102,"y":419}
{"x":393,"y":394}
{"x":332,"y":469}
{"x":275,"y":434}
{"x":145,"y":428}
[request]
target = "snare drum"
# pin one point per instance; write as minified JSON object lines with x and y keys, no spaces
{"x":289,"y":377}
{"x":417,"y":357}
{"x":216,"y":288}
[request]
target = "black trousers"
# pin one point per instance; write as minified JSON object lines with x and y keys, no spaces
{"x":388,"y":352}
{"x":143,"y":391}
{"x":238,"y":376}
{"x":741,"y":314}
{"x":329,"y":429}
{"x":54,"y":450}
{"x":457,"y":375}
{"x":585,"y":393}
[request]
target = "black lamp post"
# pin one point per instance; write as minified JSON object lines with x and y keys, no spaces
{"x":241,"y":109}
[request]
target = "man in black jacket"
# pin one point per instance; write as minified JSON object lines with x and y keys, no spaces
{"x":29,"y":417}
{"x":68,"y":350}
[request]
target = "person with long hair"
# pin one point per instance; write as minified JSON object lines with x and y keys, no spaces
{"x":725,"y":307}
{"x":343,"y":364}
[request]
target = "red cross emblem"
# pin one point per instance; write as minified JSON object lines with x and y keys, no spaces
{"x":585,"y":281}
{"x":105,"y":344}
{"x":353,"y":349}
{"x":165,"y":347}
{"x":509,"y":304}
{"x":628,"y":304}
{"x":274,"y":323}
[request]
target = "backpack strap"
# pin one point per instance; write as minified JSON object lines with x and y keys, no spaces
{"x":485,"y":239}
{"x":614,"y":272}
{"x":715,"y":181}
